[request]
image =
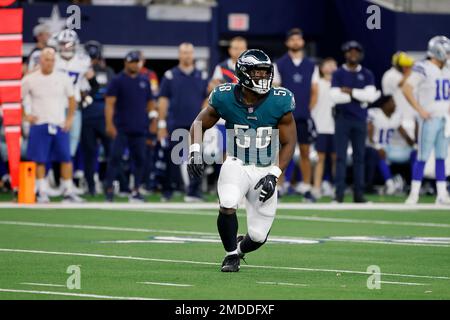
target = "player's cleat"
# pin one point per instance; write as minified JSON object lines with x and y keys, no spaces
{"x":443,"y":200}
{"x":390,"y":187}
{"x":316,"y":193}
{"x":42,"y":198}
{"x":412,"y":199}
{"x":337,"y":199}
{"x":360,"y":199}
{"x":136,"y":197}
{"x":231,"y":263}
{"x":109,"y":196}
{"x":192,"y":199}
{"x":72,"y":198}
{"x":308,"y":197}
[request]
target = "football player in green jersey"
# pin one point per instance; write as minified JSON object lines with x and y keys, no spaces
{"x":261,"y":137}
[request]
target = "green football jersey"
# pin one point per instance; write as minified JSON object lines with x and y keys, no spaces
{"x":252,"y":133}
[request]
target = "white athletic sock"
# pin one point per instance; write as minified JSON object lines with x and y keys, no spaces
{"x":415,"y":187}
{"x":441,"y":187}
{"x":232,"y":252}
{"x":67,"y":186}
{"x":40,"y":185}
{"x":239,"y":251}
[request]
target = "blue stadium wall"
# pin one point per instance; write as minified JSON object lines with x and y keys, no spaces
{"x":327,"y":23}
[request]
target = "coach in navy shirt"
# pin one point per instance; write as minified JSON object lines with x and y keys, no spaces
{"x":299,"y":74}
{"x":182,"y":94}
{"x":352,"y":89}
{"x":129,"y":100}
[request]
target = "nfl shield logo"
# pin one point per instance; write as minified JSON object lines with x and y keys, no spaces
{"x":250,"y":110}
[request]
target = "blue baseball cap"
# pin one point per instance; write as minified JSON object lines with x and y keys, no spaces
{"x":133,"y":56}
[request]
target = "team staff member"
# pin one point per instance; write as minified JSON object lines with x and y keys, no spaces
{"x":93,"y":126}
{"x":182,"y":94}
{"x":129,"y":99}
{"x":49,"y":91}
{"x":299,"y":74}
{"x":224,"y":71}
{"x":352,"y":89}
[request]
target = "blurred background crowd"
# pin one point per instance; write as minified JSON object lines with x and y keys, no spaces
{"x":110,"y":158}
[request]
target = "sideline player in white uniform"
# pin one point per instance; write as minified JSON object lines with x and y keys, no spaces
{"x":258,"y":119}
{"x":383,"y":123}
{"x":77,"y":64}
{"x":431,"y":80}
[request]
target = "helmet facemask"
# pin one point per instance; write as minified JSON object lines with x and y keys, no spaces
{"x":67,"y":49}
{"x":261,"y":78}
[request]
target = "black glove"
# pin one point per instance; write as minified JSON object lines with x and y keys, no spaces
{"x":268,"y":184}
{"x":195,"y":165}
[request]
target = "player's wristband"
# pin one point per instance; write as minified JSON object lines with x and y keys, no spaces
{"x":195,"y":147}
{"x":276,"y":171}
{"x":153,"y":114}
{"x":162,"y":124}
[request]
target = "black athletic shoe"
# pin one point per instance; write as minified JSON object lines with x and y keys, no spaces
{"x":360,"y":199}
{"x":231,"y":263}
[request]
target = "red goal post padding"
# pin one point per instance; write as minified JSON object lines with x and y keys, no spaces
{"x":11,"y":28}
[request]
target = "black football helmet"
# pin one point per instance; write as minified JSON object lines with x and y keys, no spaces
{"x":94,"y":49}
{"x":254,"y":59}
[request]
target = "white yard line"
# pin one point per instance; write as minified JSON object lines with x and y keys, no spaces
{"x":405,"y":283}
{"x":283,"y":283}
{"x":166,"y":284}
{"x":43,"y":284}
{"x":171,"y":240}
{"x":102,"y":228}
{"x":96,"y":255}
{"x":210,"y":205}
{"x":83,"y":295}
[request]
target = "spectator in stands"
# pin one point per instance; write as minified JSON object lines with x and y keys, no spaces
{"x":48,"y":91}
{"x":182,"y":95}
{"x":129,"y":99}
{"x":300,"y":75}
{"x":352,"y":89}
{"x":93,"y":115}
{"x":41,"y":34}
{"x":383,"y":122}
{"x":322,"y":114}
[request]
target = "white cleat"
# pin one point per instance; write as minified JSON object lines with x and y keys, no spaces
{"x":412,"y":199}
{"x":443,"y":200}
{"x":42,"y":198}
{"x":72,"y":198}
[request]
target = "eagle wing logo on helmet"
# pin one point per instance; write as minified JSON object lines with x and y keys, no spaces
{"x":250,"y":60}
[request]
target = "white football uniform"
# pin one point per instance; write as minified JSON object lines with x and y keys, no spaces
{"x":384,"y":126}
{"x":391,"y":86}
{"x":236,"y":181}
{"x":432,"y":89}
{"x":76,"y":68}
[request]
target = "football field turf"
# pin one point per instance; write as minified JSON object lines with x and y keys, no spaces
{"x":158,"y":251}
